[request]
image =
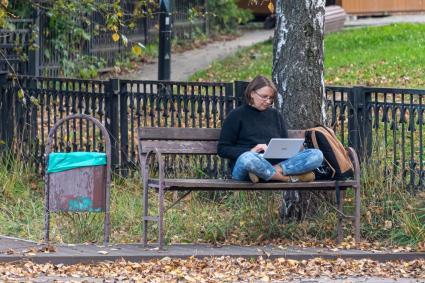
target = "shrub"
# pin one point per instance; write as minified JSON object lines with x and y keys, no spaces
{"x":224,"y":15}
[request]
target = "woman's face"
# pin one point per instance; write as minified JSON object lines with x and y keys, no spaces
{"x":262,"y":98}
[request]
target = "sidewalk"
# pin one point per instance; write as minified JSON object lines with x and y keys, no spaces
{"x":12,"y":249}
{"x":184,"y":64}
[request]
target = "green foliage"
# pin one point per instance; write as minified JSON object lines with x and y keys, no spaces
{"x":69,"y":32}
{"x":70,"y":28}
{"x":391,"y":56}
{"x":2,"y":17}
{"x":224,"y":15}
{"x":83,"y":66}
{"x":21,"y":199}
{"x":20,"y":8}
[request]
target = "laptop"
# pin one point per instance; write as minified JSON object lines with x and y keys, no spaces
{"x":283,"y":148}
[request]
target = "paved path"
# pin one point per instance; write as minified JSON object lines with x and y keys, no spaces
{"x":186,"y":63}
{"x":12,"y":249}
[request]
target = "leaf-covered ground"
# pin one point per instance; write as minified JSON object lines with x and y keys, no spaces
{"x":222,"y":269}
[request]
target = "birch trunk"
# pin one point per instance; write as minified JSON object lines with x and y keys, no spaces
{"x":298,"y":61}
{"x":298,"y":74}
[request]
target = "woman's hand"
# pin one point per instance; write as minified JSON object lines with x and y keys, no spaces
{"x":259,"y":148}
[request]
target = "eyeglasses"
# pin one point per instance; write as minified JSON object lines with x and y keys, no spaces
{"x":264,"y":97}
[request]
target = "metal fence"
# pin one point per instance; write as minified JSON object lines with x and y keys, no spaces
{"x":380,"y":122}
{"x":396,"y":129}
{"x":16,"y":55}
{"x":46,"y":58}
{"x":122,"y":105}
{"x":385,"y":123}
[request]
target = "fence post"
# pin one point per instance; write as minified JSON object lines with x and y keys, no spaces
{"x":240,"y":87}
{"x":165,"y":29}
{"x":112,"y":92}
{"x":124,"y":127}
{"x":359,"y":122}
{"x":229,"y":97}
{"x":6,"y":121}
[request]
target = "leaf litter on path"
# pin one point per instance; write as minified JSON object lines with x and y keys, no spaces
{"x":218,"y":269}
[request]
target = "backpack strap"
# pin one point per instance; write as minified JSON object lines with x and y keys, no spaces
{"x":314,"y":140}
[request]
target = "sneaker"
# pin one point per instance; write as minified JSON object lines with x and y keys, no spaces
{"x":305,"y":177}
{"x":254,"y":178}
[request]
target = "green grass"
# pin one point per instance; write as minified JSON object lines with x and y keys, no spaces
{"x":391,"y":56}
{"x":390,"y":215}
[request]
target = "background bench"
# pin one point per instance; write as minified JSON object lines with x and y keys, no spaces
{"x":160,"y":142}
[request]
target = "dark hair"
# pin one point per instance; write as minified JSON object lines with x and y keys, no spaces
{"x":257,"y":83}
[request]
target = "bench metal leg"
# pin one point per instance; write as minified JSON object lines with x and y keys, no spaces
{"x":340,"y":226}
{"x":357,"y":215}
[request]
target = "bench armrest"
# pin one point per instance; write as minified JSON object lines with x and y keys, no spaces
{"x":144,"y":164}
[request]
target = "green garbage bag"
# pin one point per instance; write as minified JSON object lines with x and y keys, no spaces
{"x":60,"y":161}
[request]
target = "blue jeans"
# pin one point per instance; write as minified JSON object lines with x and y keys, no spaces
{"x":304,"y":161}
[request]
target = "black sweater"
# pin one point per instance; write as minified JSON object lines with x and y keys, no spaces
{"x":245,"y":127}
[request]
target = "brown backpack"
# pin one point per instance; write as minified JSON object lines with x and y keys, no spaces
{"x":335,"y":155}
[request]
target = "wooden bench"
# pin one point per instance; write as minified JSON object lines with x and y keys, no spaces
{"x":158,"y":142}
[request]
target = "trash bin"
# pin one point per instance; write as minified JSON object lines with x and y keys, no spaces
{"x":77,"y":181}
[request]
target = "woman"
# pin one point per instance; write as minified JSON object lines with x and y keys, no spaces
{"x":246,"y":132}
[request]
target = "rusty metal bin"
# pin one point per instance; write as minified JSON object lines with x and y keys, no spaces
{"x":81,"y":187}
{"x":78,"y":190}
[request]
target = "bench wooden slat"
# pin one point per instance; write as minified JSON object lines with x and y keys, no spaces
{"x":226,"y":184}
{"x":192,"y":134}
{"x":189,"y":134}
{"x":189,"y":141}
{"x":183,"y":147}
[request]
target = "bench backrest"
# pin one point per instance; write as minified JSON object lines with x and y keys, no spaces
{"x":185,"y":140}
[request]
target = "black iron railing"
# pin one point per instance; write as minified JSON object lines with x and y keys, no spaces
{"x":384,"y":122}
{"x":15,"y":51}
{"x":396,"y":118}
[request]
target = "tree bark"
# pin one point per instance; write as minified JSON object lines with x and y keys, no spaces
{"x":298,"y":73}
{"x":298,"y":61}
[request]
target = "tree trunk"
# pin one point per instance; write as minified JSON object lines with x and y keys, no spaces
{"x":298,"y":74}
{"x":298,"y":61}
